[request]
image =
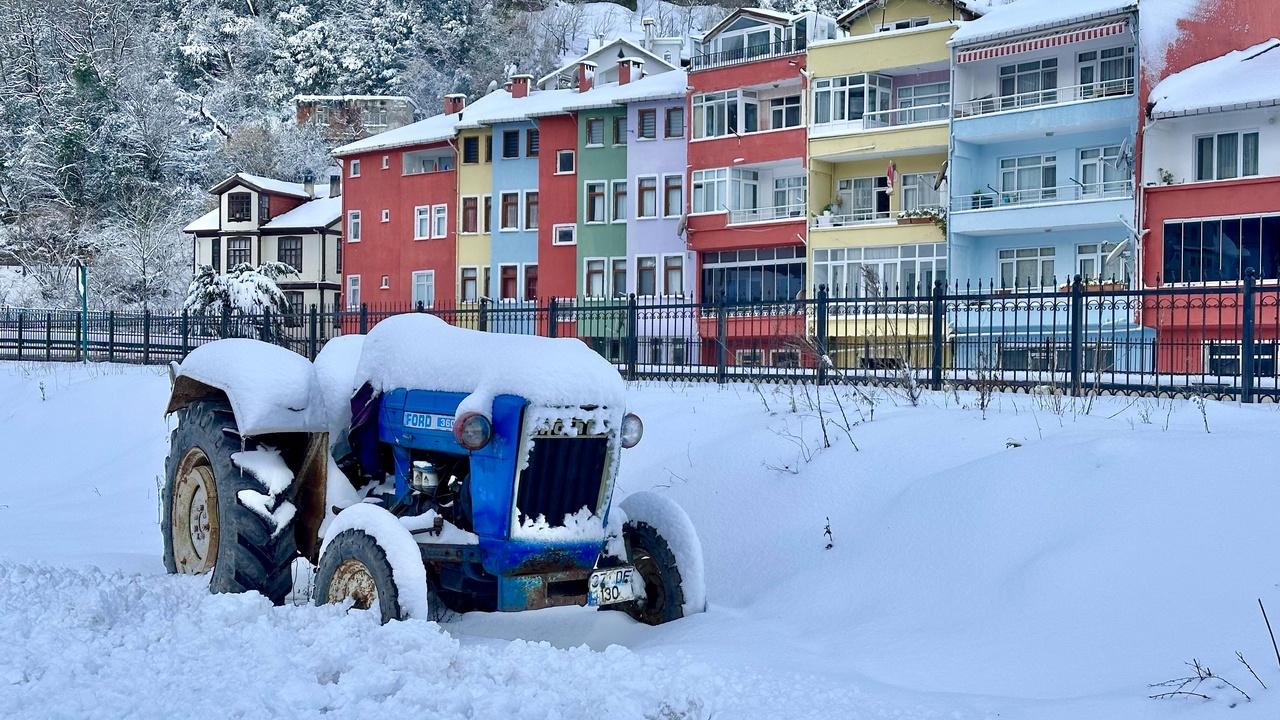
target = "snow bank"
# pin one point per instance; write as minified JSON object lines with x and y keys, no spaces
{"x":672,"y":523}
{"x":1026,"y":16}
{"x":271,"y":389}
{"x":422,"y":351}
{"x":1234,"y":80}
{"x":402,"y":552}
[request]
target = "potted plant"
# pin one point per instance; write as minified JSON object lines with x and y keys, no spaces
{"x":828,"y":212}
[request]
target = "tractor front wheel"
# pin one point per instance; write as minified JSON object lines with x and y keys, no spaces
{"x":652,"y":558}
{"x":355,"y":567}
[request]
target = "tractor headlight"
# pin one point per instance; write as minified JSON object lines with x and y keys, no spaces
{"x":632,"y":430}
{"x":472,"y":431}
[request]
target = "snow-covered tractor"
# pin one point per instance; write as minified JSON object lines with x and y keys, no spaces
{"x":421,"y":468}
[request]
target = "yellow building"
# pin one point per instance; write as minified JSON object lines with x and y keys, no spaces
{"x":475,"y":187}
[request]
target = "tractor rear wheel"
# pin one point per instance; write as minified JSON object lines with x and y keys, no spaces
{"x":652,"y":558}
{"x":206,"y":527}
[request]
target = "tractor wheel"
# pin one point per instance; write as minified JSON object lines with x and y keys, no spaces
{"x":652,"y":558}
{"x":354,"y":566}
{"x":205,"y":526}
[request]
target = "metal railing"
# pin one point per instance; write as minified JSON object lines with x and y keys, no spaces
{"x":750,"y":53}
{"x":767,"y":214}
{"x":867,"y":217}
{"x":882,"y":119}
{"x":1040,"y":98}
{"x":1108,"y":190}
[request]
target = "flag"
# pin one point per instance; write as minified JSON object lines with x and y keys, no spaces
{"x":891,"y":172}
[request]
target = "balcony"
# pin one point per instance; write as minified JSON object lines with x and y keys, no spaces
{"x":854,"y":219}
{"x":1044,"y":196}
{"x":1080,"y":205}
{"x":748,"y":54}
{"x":884,"y":119}
{"x":766,"y":214}
{"x":1042,"y":98}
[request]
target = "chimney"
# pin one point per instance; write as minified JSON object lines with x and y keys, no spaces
{"x":454,"y":103}
{"x":520,"y":85}
{"x":648,"y":33}
{"x":335,"y":185}
{"x":309,"y":185}
{"x":629,"y":69}
{"x":586,"y":75}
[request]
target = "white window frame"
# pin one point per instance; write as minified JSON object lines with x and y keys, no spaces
{"x":877,"y":97}
{"x":573,"y":162}
{"x":781,"y":108}
{"x":717,"y":179}
{"x":917,"y":187}
{"x":430,"y":276}
{"x":586,"y":139}
{"x":907,"y":270}
{"x":524,"y":210}
{"x":386,"y":283}
{"x":1013,"y":171}
{"x":386,"y":215}
{"x":1215,"y":139}
{"x":502,"y":216}
{"x":422,"y":222}
{"x":657,"y":280}
{"x":353,"y":226}
{"x":1107,"y":158}
{"x":586,"y":202}
{"x":902,"y":24}
{"x":613,"y":200}
{"x":662,"y":269}
{"x":604,"y":277}
{"x":919,"y":106}
{"x":573,"y":233}
{"x":1012,"y":256}
{"x":353,"y":292}
{"x":1095,"y":253}
{"x":439,"y":221}
{"x":657,"y":198}
{"x":713,"y":109}
{"x":386,"y":161}
{"x":355,"y":168}
{"x":667,"y":210}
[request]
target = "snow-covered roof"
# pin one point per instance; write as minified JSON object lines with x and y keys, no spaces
{"x":499,"y":106}
{"x":207,"y":222}
{"x":321,"y":212}
{"x":1031,"y":16}
{"x":434,"y":129}
{"x":863,"y":6}
{"x":353,"y":98}
{"x":670,"y":84}
{"x":606,"y":54}
{"x":1238,"y":80}
{"x":262,"y":184}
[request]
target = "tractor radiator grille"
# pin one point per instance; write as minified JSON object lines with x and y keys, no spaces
{"x":563,"y":476}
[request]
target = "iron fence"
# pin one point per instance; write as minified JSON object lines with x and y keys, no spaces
{"x":1218,"y":341}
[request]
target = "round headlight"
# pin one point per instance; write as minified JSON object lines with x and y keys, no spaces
{"x":472,"y":431}
{"x":632,"y":430}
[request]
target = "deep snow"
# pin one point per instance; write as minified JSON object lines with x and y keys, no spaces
{"x":1039,"y":563}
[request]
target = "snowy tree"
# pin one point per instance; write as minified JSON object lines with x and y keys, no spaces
{"x":244,"y":293}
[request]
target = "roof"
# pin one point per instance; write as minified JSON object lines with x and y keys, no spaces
{"x":318,"y":213}
{"x":353,"y":98}
{"x":436,"y":128}
{"x":860,"y":8}
{"x":759,"y":13}
{"x":634,"y":51}
{"x":499,"y":106}
{"x":1031,"y":16}
{"x":1238,"y":80}
{"x":262,"y":184}
{"x":207,"y":222}
{"x":650,"y":87}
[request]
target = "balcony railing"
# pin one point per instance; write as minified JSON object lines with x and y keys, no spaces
{"x":1052,"y":96}
{"x":867,"y":217}
{"x":1043,"y":196}
{"x":901,"y":117}
{"x":750,"y":53}
{"x":766,"y":214}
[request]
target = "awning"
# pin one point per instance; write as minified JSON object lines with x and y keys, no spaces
{"x":1066,"y":37}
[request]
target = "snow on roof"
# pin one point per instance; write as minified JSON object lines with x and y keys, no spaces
{"x":263,"y":184}
{"x":352,"y":98}
{"x":1235,"y":81}
{"x":423,"y":352}
{"x":205,"y":223}
{"x":321,"y":212}
{"x":1029,"y":16}
{"x":499,"y":106}
{"x":608,"y":52}
{"x":434,"y":129}
{"x":670,"y":84}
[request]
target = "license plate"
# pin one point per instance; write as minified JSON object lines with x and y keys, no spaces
{"x":607,"y":587}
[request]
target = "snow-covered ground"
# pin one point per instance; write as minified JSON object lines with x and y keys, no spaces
{"x":1049,"y":561}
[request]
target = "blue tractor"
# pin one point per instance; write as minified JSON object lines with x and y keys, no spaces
{"x":420,"y":469}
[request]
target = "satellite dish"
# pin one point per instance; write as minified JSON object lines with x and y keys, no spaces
{"x":942,"y":175}
{"x":1119,"y":251}
{"x":683,"y":225}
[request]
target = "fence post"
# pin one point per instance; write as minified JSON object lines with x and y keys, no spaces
{"x":1076,"y":325}
{"x":222,"y":330}
{"x":111,"y":336}
{"x":364,"y":318}
{"x":48,"y":336}
{"x":721,"y":341}
{"x":553,"y":318}
{"x":820,"y":330}
{"x":313,"y":331}
{"x":146,"y":337}
{"x":265,"y":331}
{"x":186,"y":334}
{"x":1246,"y":337}
{"x":21,"y":316}
{"x":82,"y":337}
{"x":633,"y":342}
{"x":482,"y":322}
{"x":939,"y":308}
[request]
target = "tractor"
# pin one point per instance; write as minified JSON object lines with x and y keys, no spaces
{"x":420,"y":469}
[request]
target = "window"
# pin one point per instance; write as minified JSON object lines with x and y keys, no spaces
{"x":673,"y":195}
{"x":419,"y":162}
{"x":647,"y":200}
{"x":1226,"y":155}
{"x":922,"y":103}
{"x":895,"y":270}
{"x":1029,"y":179}
{"x":595,"y":210}
{"x":289,"y":252}
{"x":789,"y":195}
{"x":1106,"y":72}
{"x":902,"y":24}
{"x":239,"y":207}
{"x":294,"y":299}
{"x":510,"y":217}
{"x":784,"y":112}
{"x":852,"y":97}
{"x":424,"y":288}
{"x":763,"y":274}
{"x":564,"y":162}
{"x":264,"y":209}
{"x":337,"y":259}
{"x":386,"y":161}
{"x":488,"y":148}
{"x":620,"y":130}
{"x":355,"y":172}
{"x":863,"y":199}
{"x":487,"y":218}
{"x":673,"y":125}
{"x":470,"y":150}
{"x":422,"y":222}
{"x":1028,"y":83}
{"x":386,"y":215}
{"x":673,"y":275}
{"x":531,"y":143}
{"x":564,"y":235}
{"x":595,"y":131}
{"x":509,"y":282}
{"x":485,"y":273}
{"x":1027,"y":268}
{"x":238,"y":252}
{"x":648,"y":124}
{"x":510,"y":144}
{"x":725,"y":113}
{"x":1100,"y":172}
{"x":439,"y":221}
{"x":646,"y":275}
{"x":215,"y":255}
{"x":353,"y":292}
{"x":710,"y":190}
{"x":619,"y":266}
{"x":468,"y":284}
{"x":531,"y":283}
{"x":918,"y":192}
{"x":1092,"y":265}
{"x":1220,"y":250}
{"x":1223,"y":358}
{"x":470,"y":214}
{"x":531,"y":210}
{"x":593,"y":285}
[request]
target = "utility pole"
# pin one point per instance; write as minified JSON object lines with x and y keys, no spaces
{"x":82,"y":276}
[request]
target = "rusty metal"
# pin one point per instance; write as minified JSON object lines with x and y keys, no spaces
{"x":353,"y":580}
{"x":193,"y":525}
{"x":553,"y":560}
{"x":556,"y":589}
{"x":186,"y":391}
{"x":310,"y":496}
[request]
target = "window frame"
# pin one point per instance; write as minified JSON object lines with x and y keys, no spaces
{"x":473,"y":211}
{"x":643,"y":188}
{"x":666,"y":122}
{"x":281,"y":251}
{"x":558,"y":228}
{"x":667,"y":268}
{"x":527,"y":293}
{"x":353,"y":226}
{"x":440,"y":221}
{"x":422,"y":222}
{"x":618,"y":266}
{"x":235,"y":214}
{"x":507,"y":137}
{"x":588,"y":272}
{"x":1240,"y":158}
{"x":502,"y":282}
{"x":647,"y":265}
{"x":532,"y":142}
{"x":530,"y":210}
{"x":781,"y":106}
{"x":593,"y":122}
{"x":353,"y":292}
{"x":247,"y":250}
{"x":508,"y":199}
{"x":590,"y":192}
{"x":354,"y":171}
{"x":386,"y":215}
{"x":471,"y":148}
{"x":474,"y":280}
{"x":264,"y":208}
{"x":486,"y":207}
{"x":430,"y":275}
{"x":652,"y":115}
{"x":1044,"y":254}
{"x":667,"y":187}
{"x":573,"y":162}
{"x":618,"y":201}
{"x":620,"y":129}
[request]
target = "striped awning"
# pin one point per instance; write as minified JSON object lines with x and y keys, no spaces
{"x":1066,"y":37}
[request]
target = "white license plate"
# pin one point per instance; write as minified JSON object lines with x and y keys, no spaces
{"x":607,"y":587}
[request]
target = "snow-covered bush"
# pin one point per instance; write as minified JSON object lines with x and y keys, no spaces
{"x":244,"y":293}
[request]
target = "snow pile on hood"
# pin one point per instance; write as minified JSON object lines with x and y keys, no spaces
{"x":1026,"y":16}
{"x":271,"y":389}
{"x":1235,"y":79}
{"x":423,"y":352}
{"x":336,"y":371}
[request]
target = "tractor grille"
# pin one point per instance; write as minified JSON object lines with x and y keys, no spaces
{"x":563,"y":476}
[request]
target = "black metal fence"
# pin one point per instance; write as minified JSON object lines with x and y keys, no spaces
{"x":1218,"y":341}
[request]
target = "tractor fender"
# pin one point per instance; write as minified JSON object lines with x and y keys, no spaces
{"x":271,"y":389}
{"x":674,"y":526}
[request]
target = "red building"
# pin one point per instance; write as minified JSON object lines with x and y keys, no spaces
{"x":748,"y":206}
{"x":557,"y":231}
{"x":1210,"y":176}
